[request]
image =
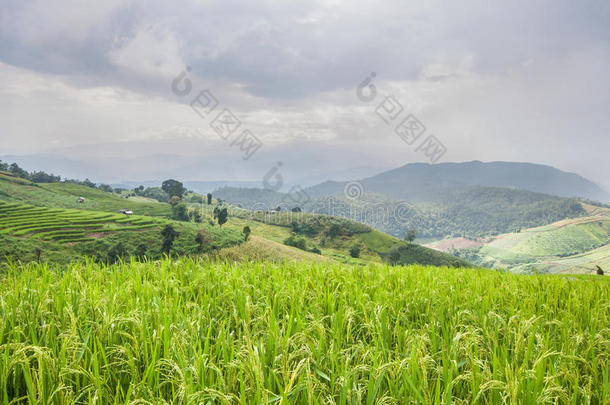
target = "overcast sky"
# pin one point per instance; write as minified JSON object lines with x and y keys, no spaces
{"x":521,"y":81}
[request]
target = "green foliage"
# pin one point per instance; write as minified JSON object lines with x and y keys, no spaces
{"x":105,"y":187}
{"x":191,"y":331}
{"x":194,"y":214}
{"x":394,"y":255}
{"x":36,"y":176}
{"x":203,"y":239}
{"x":180,"y":212}
{"x":141,"y":251}
{"x":169,"y":234}
{"x":173,"y":188}
{"x":246,"y":231}
{"x":410,"y":235}
{"x":354,"y":250}
{"x":155,"y":193}
{"x":333,"y":230}
{"x":209,"y":197}
{"x":296,"y":241}
{"x":117,"y":252}
{"x":222,"y":216}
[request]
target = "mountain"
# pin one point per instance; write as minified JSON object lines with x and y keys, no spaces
{"x":417,"y":182}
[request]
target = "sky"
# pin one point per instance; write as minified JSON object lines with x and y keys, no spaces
{"x":105,"y":88}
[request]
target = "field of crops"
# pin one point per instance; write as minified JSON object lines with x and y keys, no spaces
{"x":191,"y":331}
{"x":65,"y":195}
{"x":556,"y":241}
{"x":64,"y":225}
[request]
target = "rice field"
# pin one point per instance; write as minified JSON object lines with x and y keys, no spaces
{"x":195,"y":331}
{"x":64,"y":225}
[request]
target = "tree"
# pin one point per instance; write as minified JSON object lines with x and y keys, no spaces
{"x":169,"y":234}
{"x":354,"y":250}
{"x":411,"y":235}
{"x":333,"y":230}
{"x":105,"y":187}
{"x":173,"y":188}
{"x":222,"y":216}
{"x":246,"y":232}
{"x":18,"y":171}
{"x":209,"y":198}
{"x":88,"y":183}
{"x":203,"y":239}
{"x":3,"y":166}
{"x":195,"y":215}
{"x":117,"y":252}
{"x":180,"y":212}
{"x":278,"y":208}
{"x":296,"y":209}
{"x":394,"y":255}
{"x":38,"y":252}
{"x":599,"y":271}
{"x":141,"y":250}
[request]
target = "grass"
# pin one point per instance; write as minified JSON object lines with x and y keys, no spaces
{"x":557,"y":241}
{"x":259,"y":249}
{"x":56,"y":224}
{"x":374,"y":244}
{"x":194,"y":331}
{"x":568,"y":246}
{"x":30,"y":233}
{"x":64,"y":195}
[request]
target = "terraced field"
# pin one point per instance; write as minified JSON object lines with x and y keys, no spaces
{"x":65,"y":195}
{"x":65,"y":225}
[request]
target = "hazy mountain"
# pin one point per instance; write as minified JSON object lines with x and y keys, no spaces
{"x":417,"y":182}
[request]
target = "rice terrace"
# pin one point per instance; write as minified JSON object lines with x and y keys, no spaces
{"x":312,"y":202}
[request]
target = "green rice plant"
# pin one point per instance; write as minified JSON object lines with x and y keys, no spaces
{"x":198,"y":331}
{"x":74,"y":238}
{"x":60,"y":226}
{"x":60,"y":234}
{"x":125,"y":228}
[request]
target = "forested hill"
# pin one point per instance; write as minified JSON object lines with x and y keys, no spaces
{"x":471,"y":211}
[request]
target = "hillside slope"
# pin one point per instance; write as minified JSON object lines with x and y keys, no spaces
{"x":65,"y":195}
{"x":93,"y":228}
{"x":472,"y":211}
{"x":567,"y":246}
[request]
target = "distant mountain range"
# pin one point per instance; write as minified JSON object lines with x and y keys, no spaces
{"x":418,"y":182}
{"x":472,"y":199}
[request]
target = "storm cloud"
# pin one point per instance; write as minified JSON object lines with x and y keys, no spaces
{"x":518,"y":80}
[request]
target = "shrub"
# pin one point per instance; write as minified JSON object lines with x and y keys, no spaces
{"x":354,"y":250}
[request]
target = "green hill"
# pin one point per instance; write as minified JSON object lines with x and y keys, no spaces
{"x":65,"y":195}
{"x":568,"y":246}
{"x":472,"y":212}
{"x":334,"y":236}
{"x":47,"y":218}
{"x":29,"y":233}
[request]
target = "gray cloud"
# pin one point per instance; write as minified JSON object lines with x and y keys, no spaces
{"x":515,"y":80}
